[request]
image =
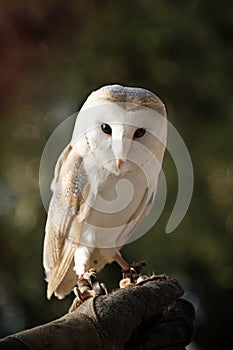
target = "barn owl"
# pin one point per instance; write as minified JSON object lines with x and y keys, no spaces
{"x":105,"y":182}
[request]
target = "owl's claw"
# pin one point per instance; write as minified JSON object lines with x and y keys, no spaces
{"x":87,"y":287}
{"x":133,"y":274}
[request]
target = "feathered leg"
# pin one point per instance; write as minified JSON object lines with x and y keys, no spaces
{"x":88,"y":285}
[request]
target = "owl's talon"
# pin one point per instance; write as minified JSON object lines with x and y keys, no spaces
{"x":87,"y":287}
{"x":75,"y":304}
{"x":104,"y":288}
{"x":133,"y":274}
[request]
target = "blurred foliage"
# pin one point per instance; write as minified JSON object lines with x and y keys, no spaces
{"x":52,"y":54}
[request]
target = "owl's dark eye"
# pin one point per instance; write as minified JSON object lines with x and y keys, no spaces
{"x":139,"y":132}
{"x":106,"y":129}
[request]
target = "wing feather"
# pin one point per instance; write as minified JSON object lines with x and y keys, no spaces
{"x":59,"y":270}
{"x":62,"y":227}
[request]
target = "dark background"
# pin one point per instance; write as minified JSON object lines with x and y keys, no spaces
{"x":52,"y":55}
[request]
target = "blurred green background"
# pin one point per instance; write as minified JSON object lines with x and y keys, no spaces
{"x":52,"y":55}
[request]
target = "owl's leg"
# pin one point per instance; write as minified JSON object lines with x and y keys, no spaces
{"x":131,"y":272}
{"x":121,"y":261}
{"x":88,"y":285}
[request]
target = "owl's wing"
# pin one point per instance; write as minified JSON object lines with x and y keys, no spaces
{"x":70,"y":189}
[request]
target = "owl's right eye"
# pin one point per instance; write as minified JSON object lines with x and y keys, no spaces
{"x":106,"y":129}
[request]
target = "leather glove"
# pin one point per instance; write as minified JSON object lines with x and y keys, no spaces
{"x":149,"y":315}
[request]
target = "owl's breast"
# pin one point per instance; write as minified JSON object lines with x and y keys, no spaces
{"x":116,"y":209}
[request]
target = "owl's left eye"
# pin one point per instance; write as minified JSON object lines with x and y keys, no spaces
{"x":106,"y":129}
{"x":139,"y":132}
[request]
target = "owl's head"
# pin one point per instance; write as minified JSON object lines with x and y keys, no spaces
{"x":122,"y":127}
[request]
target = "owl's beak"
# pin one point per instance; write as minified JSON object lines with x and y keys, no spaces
{"x":119,"y":163}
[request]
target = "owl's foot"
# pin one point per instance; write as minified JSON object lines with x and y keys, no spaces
{"x":133,"y":274}
{"x":87,"y":287}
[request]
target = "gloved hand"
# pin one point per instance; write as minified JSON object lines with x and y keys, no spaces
{"x":146,"y":316}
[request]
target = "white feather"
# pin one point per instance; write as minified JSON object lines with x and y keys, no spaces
{"x":89,"y":218}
